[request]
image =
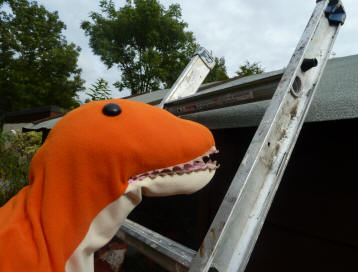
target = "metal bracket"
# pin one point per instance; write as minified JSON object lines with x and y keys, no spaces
{"x":335,"y":12}
{"x":206,"y":57}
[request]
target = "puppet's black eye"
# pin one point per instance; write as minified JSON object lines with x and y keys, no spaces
{"x":111,"y":109}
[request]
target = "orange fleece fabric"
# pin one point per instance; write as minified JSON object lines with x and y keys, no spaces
{"x":83,"y":166}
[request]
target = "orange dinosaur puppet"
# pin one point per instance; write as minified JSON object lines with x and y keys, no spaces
{"x":88,"y":176}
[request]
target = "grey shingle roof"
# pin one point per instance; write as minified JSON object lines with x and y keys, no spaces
{"x":336,"y":98}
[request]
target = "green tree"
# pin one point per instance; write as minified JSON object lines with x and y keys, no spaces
{"x":249,"y":69}
{"x":37,"y":66}
{"x":16,"y":152}
{"x":99,"y":91}
{"x":148,"y":43}
{"x":218,"y":73}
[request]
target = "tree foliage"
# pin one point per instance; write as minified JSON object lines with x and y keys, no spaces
{"x":37,"y":66}
{"x":147,"y":42}
{"x":99,"y":91}
{"x":16,"y":152}
{"x":249,"y":69}
{"x":218,"y":73}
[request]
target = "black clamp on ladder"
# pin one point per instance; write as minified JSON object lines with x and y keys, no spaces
{"x":335,"y":13}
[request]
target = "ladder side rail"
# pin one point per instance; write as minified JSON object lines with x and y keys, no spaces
{"x":237,"y":224}
{"x":192,"y":76}
{"x":166,"y":252}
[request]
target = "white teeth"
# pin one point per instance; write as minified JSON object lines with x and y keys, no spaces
{"x":197,"y":164}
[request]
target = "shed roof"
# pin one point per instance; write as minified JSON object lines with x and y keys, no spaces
{"x":335,"y":99}
{"x":31,"y":115}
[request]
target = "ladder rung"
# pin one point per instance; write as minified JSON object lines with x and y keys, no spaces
{"x":167,"y":253}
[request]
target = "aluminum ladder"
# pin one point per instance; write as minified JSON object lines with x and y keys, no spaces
{"x":242,"y":213}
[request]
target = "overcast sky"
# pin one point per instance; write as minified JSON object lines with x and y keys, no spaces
{"x":255,"y":30}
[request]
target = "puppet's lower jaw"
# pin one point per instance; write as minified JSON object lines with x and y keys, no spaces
{"x":106,"y":224}
{"x":186,"y":183}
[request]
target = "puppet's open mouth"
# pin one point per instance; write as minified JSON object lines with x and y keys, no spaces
{"x":206,"y":161}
